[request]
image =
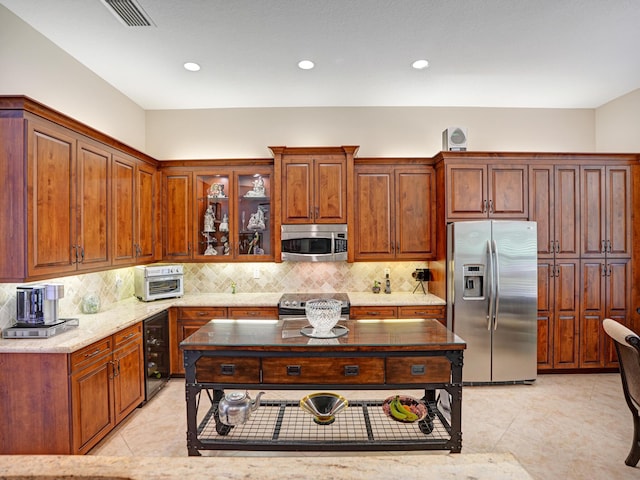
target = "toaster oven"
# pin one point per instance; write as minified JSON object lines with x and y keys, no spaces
{"x":155,"y":282}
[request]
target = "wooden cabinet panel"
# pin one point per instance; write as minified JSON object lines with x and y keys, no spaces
{"x":415,"y":213}
{"x":422,"y":311}
{"x":92,"y":404}
{"x":401,"y":370}
{"x":253,"y":312}
{"x":305,"y":370}
{"x":201,"y":313}
{"x":546,"y":302}
{"x":313,"y":183}
{"x":566,"y":314}
{"x":178,"y":230}
{"x":314,"y":188}
{"x":330,"y":190}
{"x":51,"y":187}
{"x":491,"y":190}
{"x":94,"y":206}
{"x":375,"y":230}
{"x":606,"y":211}
{"x":542,"y":207}
{"x":129,"y":376}
{"x":364,"y":312}
{"x":396,"y":230}
{"x":124,"y":186}
{"x":89,"y":354}
{"x":147,"y":217}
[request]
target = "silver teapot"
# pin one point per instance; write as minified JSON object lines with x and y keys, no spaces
{"x":236,"y":407}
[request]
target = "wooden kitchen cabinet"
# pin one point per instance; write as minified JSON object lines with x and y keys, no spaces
{"x":377,"y":311}
{"x":403,"y":311}
{"x":606,"y":286}
{"x":606,"y":211}
{"x":135,"y":211}
{"x":185,"y":321}
{"x":495,"y":190}
{"x":107,"y":383}
{"x":253,"y":312}
{"x":222,"y":214}
{"x":59,"y":186}
{"x":313,"y":183}
{"x":554,"y":202}
{"x":69,"y":204}
{"x":394,"y":212}
{"x":558,"y":313}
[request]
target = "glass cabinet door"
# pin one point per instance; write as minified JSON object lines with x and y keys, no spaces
{"x":253,"y":215}
{"x":213,"y":212}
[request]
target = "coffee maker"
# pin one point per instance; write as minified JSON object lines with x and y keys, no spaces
{"x":37,"y":305}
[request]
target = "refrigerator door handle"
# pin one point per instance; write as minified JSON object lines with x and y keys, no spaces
{"x":491,"y":285}
{"x":496,"y":276}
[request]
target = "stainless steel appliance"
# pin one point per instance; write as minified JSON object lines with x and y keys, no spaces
{"x":291,"y":306}
{"x":314,"y":243}
{"x":37,"y":312}
{"x":492,"y":298}
{"x":156,"y":353}
{"x":155,"y":282}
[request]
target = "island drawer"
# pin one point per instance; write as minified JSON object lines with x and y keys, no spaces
{"x":418,"y":370}
{"x":228,"y":370}
{"x":320,"y":370}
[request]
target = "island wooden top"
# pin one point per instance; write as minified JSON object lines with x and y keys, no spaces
{"x":418,"y":335}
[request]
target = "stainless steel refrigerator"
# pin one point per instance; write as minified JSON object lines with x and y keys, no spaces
{"x":492,"y":298}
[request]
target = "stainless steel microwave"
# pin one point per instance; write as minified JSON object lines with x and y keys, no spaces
{"x":155,"y":282}
{"x":314,"y":242}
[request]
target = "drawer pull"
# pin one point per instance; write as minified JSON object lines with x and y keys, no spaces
{"x":92,"y":354}
{"x":227,"y":369}
{"x":294,"y":370}
{"x":351,"y":370}
{"x":418,"y":369}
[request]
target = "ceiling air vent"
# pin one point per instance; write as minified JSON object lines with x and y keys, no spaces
{"x":129,"y":13}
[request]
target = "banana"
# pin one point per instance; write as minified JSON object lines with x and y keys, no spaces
{"x":403,"y":409}
{"x":393,"y":410}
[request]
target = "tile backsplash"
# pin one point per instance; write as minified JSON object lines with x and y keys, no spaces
{"x":115,"y":285}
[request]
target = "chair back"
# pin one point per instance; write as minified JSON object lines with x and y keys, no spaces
{"x":628,"y":348}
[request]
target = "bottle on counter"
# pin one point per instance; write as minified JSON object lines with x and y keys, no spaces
{"x":387,"y":284}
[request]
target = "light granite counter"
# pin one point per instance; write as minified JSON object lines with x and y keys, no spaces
{"x":127,"y":312}
{"x":493,"y":466}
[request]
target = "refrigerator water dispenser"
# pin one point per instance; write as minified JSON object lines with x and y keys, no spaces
{"x":473,"y":286}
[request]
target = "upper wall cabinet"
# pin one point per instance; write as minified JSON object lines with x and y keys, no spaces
{"x":218,"y":213}
{"x":394,"y":212}
{"x":57,"y":199}
{"x":482,"y":189}
{"x":313,"y":183}
{"x":136,"y":215}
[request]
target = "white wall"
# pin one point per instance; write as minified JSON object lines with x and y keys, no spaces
{"x":380,"y":131}
{"x":618,"y":124}
{"x":31,"y":65}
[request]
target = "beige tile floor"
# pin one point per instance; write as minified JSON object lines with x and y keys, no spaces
{"x":561,"y":427}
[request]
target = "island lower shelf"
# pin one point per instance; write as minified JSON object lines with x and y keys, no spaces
{"x":363,"y":425}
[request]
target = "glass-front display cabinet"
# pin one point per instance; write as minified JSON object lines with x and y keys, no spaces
{"x":233,"y":215}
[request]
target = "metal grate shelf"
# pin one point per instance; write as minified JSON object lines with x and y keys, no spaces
{"x":282,"y":424}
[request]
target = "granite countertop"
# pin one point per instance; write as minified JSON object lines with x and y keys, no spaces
{"x":494,"y":466}
{"x":127,"y":312}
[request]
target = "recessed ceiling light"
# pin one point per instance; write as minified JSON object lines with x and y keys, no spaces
{"x":306,"y":64}
{"x":420,"y":64}
{"x":191,"y":66}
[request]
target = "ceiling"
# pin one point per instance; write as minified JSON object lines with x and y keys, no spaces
{"x":490,"y":53}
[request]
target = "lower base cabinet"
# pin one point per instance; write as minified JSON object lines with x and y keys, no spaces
{"x":66,"y":403}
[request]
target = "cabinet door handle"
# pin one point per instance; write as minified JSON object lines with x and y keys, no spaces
{"x":490,"y":206}
{"x":92,"y":354}
{"x":81,"y":254}
{"x":294,"y":370}
{"x":484,"y":206}
{"x":609,"y":246}
{"x":557,"y":243}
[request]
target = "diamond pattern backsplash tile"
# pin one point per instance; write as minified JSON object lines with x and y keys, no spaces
{"x":116,"y":285}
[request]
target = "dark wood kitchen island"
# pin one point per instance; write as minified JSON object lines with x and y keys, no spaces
{"x":395,"y":355}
